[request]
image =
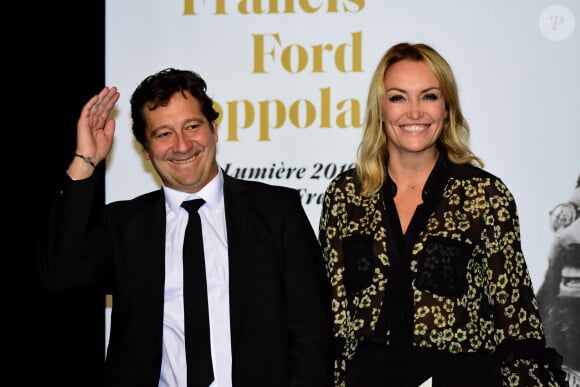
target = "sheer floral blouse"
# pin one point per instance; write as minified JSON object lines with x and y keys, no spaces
{"x":456,"y":282}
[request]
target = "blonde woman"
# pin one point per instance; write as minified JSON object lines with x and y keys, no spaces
{"x":422,"y":247}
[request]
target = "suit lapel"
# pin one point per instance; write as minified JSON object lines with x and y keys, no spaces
{"x":236,"y":210}
{"x":153,"y":242}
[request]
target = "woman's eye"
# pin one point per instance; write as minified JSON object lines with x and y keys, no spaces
{"x":396,"y":98}
{"x":431,"y":97}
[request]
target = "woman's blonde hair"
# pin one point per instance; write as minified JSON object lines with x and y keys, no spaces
{"x":372,"y":151}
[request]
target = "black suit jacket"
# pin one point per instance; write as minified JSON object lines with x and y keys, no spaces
{"x":279,"y":300}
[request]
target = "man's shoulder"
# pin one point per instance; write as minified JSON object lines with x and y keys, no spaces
{"x":143,"y":200}
{"x":257,"y":187}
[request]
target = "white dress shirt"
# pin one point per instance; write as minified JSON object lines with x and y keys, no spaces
{"x":213,"y":222}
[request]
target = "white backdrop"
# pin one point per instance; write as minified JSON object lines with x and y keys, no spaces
{"x":291,"y":76}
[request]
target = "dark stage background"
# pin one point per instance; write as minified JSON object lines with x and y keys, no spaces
{"x":54,"y":61}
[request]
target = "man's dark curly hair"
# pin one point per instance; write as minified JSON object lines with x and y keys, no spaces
{"x":157,"y":89}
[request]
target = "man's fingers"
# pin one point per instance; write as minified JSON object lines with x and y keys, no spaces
{"x":102,"y":105}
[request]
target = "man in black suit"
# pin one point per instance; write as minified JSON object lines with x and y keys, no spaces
{"x":267,"y":295}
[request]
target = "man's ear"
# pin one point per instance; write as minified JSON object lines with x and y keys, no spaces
{"x":214,"y":130}
{"x":145,"y":153}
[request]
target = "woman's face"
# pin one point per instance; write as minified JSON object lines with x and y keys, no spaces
{"x":413,"y":108}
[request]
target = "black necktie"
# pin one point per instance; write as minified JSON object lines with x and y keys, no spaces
{"x":197,"y":344}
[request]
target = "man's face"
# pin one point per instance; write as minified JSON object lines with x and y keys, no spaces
{"x":182,"y":143}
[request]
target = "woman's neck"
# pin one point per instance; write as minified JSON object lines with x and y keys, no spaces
{"x":411,"y":173}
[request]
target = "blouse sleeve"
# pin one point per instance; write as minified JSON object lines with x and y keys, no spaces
{"x":519,"y":335}
{"x":332,"y":221}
